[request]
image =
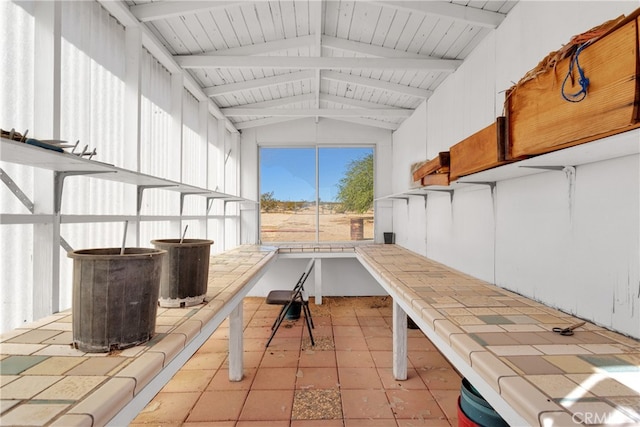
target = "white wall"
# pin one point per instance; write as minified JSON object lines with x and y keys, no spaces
{"x":308,"y":132}
{"x":570,"y":244}
{"x":340,"y":277}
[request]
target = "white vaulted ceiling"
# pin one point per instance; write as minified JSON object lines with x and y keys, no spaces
{"x":369,"y":62}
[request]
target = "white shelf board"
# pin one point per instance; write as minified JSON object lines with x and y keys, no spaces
{"x":29,"y":155}
{"x":611,"y":147}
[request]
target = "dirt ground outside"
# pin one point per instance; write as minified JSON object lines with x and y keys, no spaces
{"x":300,"y":226}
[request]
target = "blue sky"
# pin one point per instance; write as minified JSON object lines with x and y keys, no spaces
{"x":290,"y":172}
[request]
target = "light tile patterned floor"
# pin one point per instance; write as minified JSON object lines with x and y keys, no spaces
{"x":344,"y":381}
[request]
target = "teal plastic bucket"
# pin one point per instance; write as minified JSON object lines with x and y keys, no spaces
{"x":477,"y":409}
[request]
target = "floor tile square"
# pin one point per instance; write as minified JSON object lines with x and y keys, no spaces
{"x":280,"y":358}
{"x":354,"y":359}
{"x":218,"y":406}
{"x":440,"y":378}
{"x":267,"y":405}
{"x":189,"y":380}
{"x":275,"y":379}
{"x":316,"y":378}
{"x":358,"y":378}
{"x":168,"y":408}
{"x":416,"y":404}
{"x":367,"y":404}
{"x":349,"y":343}
{"x":382,"y":359}
{"x":317,"y":358}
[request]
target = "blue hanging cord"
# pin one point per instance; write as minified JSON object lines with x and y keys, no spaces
{"x":583,"y":80}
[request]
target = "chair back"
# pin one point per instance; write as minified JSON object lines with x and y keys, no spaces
{"x":299,"y":288}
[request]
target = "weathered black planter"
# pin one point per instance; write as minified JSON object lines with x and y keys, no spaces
{"x":185,"y":271}
{"x":115,"y":297}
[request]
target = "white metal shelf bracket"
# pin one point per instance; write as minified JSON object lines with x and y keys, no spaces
{"x":210,"y":200}
{"x":406,"y":199}
{"x":183,"y":195}
{"x":451,"y":192}
{"x":424,"y":195}
{"x":140,"y":192}
{"x":15,"y":189}
{"x":58,"y":184}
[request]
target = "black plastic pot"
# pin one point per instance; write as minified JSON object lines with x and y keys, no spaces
{"x":185,"y":271}
{"x":115,"y":297}
{"x":389,"y":238}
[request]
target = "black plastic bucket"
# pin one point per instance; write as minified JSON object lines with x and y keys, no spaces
{"x":477,"y":409}
{"x":185,"y":271}
{"x":115,"y":297}
{"x":389,"y":238}
{"x":293,"y":312}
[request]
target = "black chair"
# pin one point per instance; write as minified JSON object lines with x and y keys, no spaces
{"x":286,"y":298}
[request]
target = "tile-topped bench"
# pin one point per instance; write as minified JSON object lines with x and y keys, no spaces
{"x":503,"y":344}
{"x":47,"y":382}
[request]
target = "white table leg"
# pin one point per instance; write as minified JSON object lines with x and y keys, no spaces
{"x":318,"y":279}
{"x":399,"y":343}
{"x":235,"y":344}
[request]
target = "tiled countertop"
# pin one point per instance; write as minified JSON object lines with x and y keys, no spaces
{"x":45,"y":381}
{"x":504,"y":338}
{"x":592,"y":377}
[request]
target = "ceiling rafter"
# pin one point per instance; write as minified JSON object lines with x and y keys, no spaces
{"x":166,"y":9}
{"x":443,"y":9}
{"x":264,"y":48}
{"x":263,"y":122}
{"x":320,"y":112}
{"x":377,"y":84}
{"x":323,"y":63}
{"x":288,"y":100}
{"x":259,"y":83}
{"x":337,"y":43}
{"x":274,"y":120}
{"x":309,"y":74}
{"x":368,"y":122}
{"x":325,"y":97}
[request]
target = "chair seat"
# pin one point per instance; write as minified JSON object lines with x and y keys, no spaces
{"x":279,"y":297}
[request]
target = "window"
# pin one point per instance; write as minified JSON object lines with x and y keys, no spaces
{"x":316,"y":194}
